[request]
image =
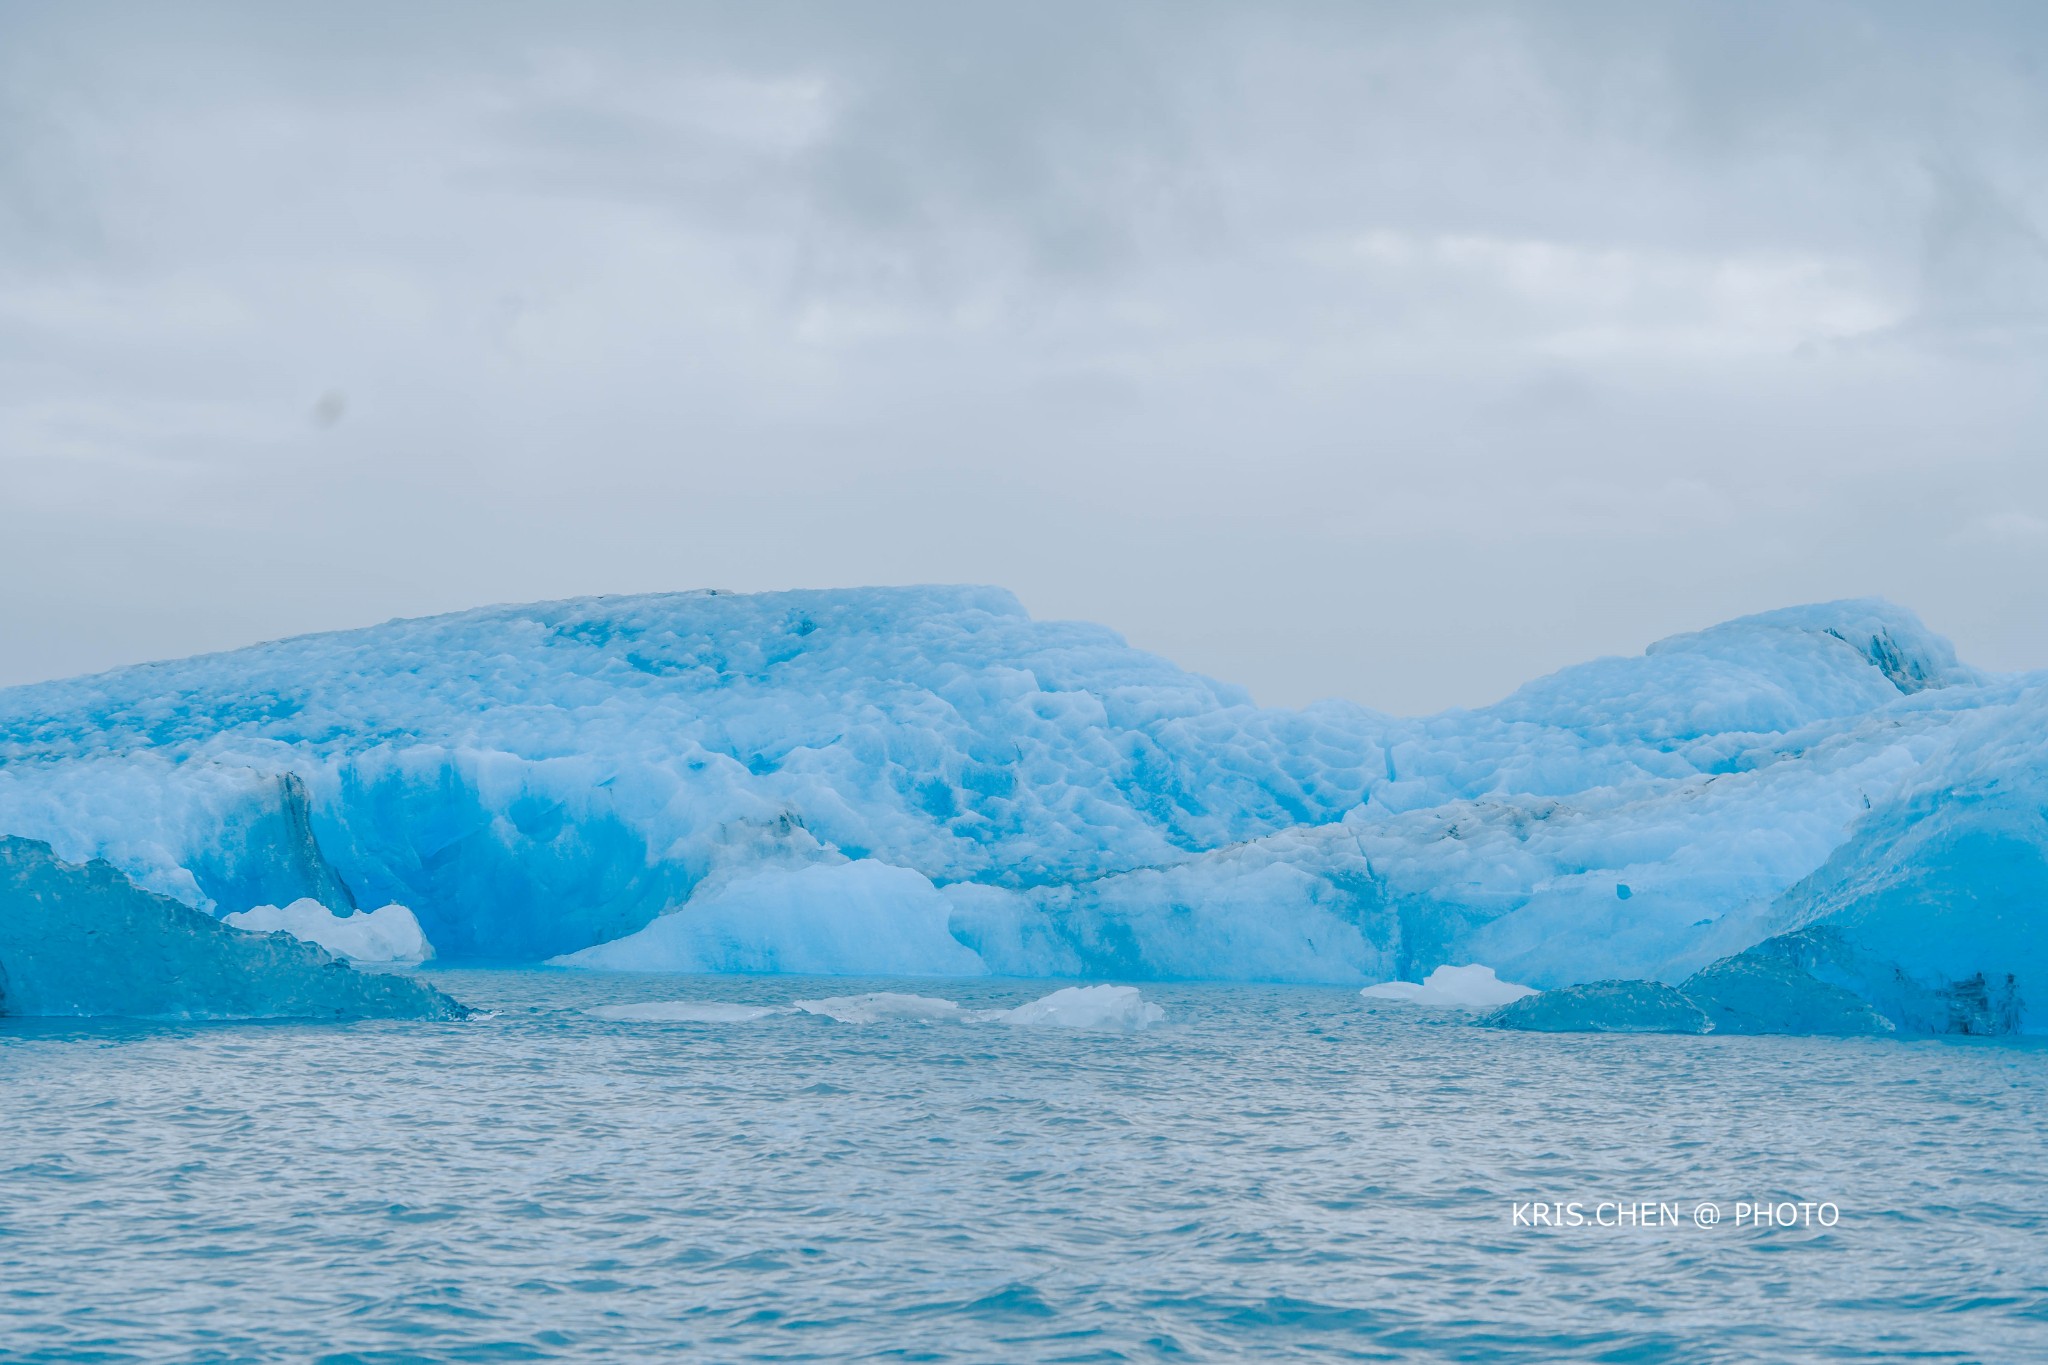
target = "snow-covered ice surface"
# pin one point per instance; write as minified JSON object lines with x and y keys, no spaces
{"x":1280,"y":1174}
{"x":925,"y":780}
{"x":387,"y":934}
{"x":1469,"y":987}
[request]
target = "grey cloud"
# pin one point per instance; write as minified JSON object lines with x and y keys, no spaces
{"x":1398,"y":352}
{"x":1985,"y":261}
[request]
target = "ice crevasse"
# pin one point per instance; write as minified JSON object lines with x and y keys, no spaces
{"x":927,"y":781}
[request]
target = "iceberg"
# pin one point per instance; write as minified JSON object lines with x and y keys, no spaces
{"x":390,"y":934}
{"x":927,"y":781}
{"x":534,"y":780}
{"x":83,"y":940}
{"x":1471,"y":987}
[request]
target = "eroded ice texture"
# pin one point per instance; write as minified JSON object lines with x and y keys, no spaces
{"x":82,"y":940}
{"x":539,"y":780}
{"x":1472,"y":987}
{"x":389,"y":934}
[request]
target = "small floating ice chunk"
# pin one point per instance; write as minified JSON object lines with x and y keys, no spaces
{"x":390,"y":934}
{"x":878,"y":1006}
{"x":1091,"y":1007}
{"x":687,"y":1012}
{"x":1453,"y":988}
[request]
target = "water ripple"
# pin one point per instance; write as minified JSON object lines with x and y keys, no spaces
{"x":1275,"y":1174}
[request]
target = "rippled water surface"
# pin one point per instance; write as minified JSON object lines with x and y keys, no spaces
{"x":1275,"y":1173}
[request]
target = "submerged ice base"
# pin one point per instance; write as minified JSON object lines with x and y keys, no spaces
{"x":1753,"y":992}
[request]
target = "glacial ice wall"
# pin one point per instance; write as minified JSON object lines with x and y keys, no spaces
{"x":534,"y":779}
{"x":539,"y":780}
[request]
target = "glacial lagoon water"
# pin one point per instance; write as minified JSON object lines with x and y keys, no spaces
{"x":1272,"y":1174}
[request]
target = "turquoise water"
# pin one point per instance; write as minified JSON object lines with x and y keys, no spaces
{"x":1276,"y":1173}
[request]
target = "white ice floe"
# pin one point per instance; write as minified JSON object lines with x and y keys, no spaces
{"x":878,"y":1006}
{"x":1452,"y":988}
{"x":390,"y":934}
{"x":1088,"y":1007}
{"x":687,"y":1012}
{"x":1105,"y":1008}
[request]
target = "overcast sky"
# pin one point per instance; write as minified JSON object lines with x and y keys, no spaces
{"x":1398,"y":353}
